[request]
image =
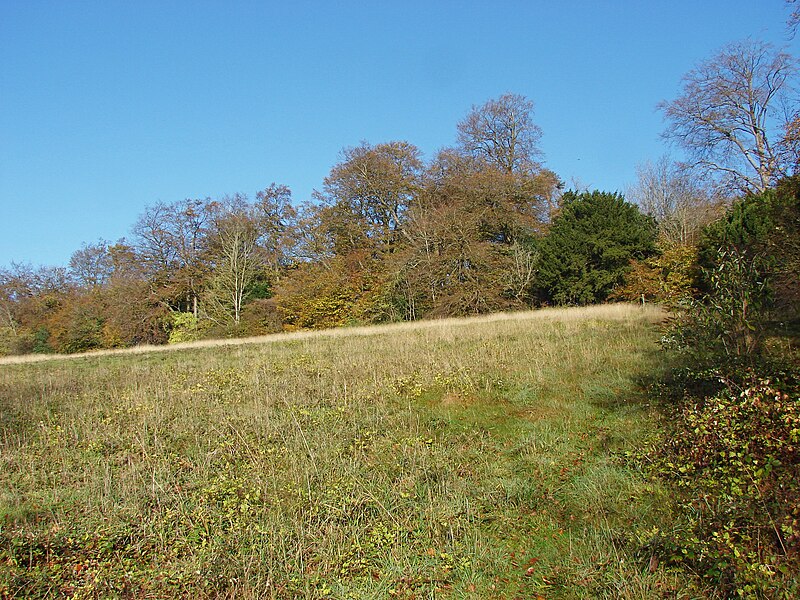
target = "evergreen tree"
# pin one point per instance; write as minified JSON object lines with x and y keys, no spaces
{"x":589,"y":247}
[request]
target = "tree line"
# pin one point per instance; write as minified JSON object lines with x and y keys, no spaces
{"x":482,"y":226}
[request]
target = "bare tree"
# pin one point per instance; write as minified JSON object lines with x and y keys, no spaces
{"x":521,"y":273}
{"x":794,"y":17}
{"x":233,"y":245}
{"x":92,"y":265}
{"x":248,"y":243}
{"x":732,"y":115}
{"x":672,"y":197}
{"x":791,"y":143}
{"x":279,"y":218}
{"x":155,"y":239}
{"x":502,"y":132}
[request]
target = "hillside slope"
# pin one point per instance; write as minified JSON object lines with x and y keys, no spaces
{"x":446,"y":459}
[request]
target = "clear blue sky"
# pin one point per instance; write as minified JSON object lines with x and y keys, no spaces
{"x":109,"y":106}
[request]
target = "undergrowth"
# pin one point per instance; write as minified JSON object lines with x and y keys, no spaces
{"x":730,"y":444}
{"x":732,"y":457}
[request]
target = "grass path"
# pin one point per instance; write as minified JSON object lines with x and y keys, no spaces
{"x":451,"y":459}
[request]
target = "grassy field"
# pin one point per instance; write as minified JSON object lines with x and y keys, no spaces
{"x":455,"y":459}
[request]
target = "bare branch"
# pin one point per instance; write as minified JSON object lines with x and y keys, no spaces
{"x":502,"y":132}
{"x":731,"y":116}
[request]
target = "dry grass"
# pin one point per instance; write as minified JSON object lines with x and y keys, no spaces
{"x":605,"y":312}
{"x":449,"y":459}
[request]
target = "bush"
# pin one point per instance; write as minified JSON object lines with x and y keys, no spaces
{"x":185,"y":327}
{"x":733,"y":443}
{"x":260,"y":317}
{"x":666,"y":278}
{"x":763,"y":228}
{"x":15,"y":342}
{"x":737,"y":456}
{"x":728,"y":323}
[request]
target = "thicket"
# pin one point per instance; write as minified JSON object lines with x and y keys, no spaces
{"x":731,"y":445}
{"x":479,"y":228}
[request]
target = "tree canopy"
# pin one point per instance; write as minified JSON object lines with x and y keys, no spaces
{"x":479,"y":227}
{"x":503,"y":133}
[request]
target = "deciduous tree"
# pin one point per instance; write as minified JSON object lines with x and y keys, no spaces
{"x":672,"y":197}
{"x":368,"y":194}
{"x":794,"y":17}
{"x":503,"y":133}
{"x":92,"y":265}
{"x":467,"y":252}
{"x":171,"y":240}
{"x":237,"y":229}
{"x":248,"y":244}
{"x":278,"y":222}
{"x":732,"y":116}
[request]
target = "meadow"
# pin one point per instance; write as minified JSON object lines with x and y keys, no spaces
{"x":473,"y":458}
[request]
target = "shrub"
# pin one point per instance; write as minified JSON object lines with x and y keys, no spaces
{"x":15,"y":342}
{"x":765,"y":228}
{"x":728,"y":323}
{"x":260,"y":317}
{"x":737,"y":456}
{"x":733,"y":445}
{"x":666,"y":277}
{"x":185,"y":327}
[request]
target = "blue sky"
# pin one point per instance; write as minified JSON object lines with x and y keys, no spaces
{"x":109,"y":106}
